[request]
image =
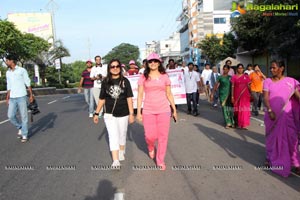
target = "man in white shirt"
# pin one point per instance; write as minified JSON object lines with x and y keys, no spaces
{"x":192,"y":81}
{"x":213,"y":80}
{"x":16,"y":98}
{"x":98,"y":73}
{"x":205,"y":78}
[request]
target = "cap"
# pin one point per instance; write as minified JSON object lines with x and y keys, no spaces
{"x":131,"y":62}
{"x":154,"y":56}
{"x":88,"y":61}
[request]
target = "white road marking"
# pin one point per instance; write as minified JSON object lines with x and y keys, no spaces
{"x":52,"y":102}
{"x":258,"y":120}
{"x":66,"y":97}
{"x":4,"y":121}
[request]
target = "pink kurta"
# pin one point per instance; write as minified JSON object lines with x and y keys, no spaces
{"x":241,"y":100}
{"x":281,"y":134}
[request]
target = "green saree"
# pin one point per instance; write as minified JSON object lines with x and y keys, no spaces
{"x":225,"y":99}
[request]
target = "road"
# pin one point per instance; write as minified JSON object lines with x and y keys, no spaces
{"x":67,"y":158}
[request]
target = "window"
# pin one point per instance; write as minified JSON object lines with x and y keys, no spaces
{"x":221,"y":20}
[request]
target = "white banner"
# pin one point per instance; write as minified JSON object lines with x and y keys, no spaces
{"x":177,"y":86}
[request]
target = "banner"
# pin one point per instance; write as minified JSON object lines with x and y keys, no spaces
{"x":39,"y":24}
{"x":177,"y":86}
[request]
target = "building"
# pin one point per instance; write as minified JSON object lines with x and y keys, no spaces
{"x":200,"y":19}
{"x":170,"y":48}
{"x":166,"y":48}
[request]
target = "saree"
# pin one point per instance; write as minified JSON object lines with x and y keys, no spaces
{"x":281,"y":133}
{"x":241,"y":96}
{"x":224,"y":95}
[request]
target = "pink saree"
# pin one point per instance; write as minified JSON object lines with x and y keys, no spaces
{"x":281,"y":134}
{"x":241,"y":96}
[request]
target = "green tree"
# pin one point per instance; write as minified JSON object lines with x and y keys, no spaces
{"x":77,"y":67}
{"x":26,"y":46}
{"x":275,"y":35}
{"x":9,"y":38}
{"x":31,"y":47}
{"x":58,"y":51}
{"x":124,"y":52}
{"x":216,"y":49}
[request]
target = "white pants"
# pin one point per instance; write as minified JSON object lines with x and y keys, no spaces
{"x":96,"y":94}
{"x":117,"y":130}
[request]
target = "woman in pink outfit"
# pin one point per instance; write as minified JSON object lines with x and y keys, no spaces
{"x":240,"y":97}
{"x":156,"y":86}
{"x":280,"y":96}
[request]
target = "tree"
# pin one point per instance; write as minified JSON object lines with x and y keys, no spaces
{"x":216,"y":49}
{"x":278,"y":36}
{"x":58,"y":51}
{"x":124,"y":52}
{"x":9,"y":38}
{"x":25,"y":46}
{"x":31,"y":47}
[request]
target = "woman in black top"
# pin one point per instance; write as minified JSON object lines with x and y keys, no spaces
{"x":116,"y":98}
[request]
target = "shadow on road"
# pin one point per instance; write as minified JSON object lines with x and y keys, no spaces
{"x":46,"y":122}
{"x":247,"y":151}
{"x":206,"y":112}
{"x":105,"y":191}
{"x":136,"y":134}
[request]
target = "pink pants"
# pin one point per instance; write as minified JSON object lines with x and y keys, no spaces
{"x":157,"y":129}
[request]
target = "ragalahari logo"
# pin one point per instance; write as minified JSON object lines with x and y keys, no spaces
{"x":238,"y":8}
{"x":241,"y":7}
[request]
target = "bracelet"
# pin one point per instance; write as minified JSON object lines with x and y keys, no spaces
{"x":96,"y":114}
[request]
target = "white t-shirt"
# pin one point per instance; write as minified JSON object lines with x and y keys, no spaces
{"x":191,"y":80}
{"x":206,"y":74}
{"x":96,"y":71}
{"x":248,"y":72}
{"x":141,"y":71}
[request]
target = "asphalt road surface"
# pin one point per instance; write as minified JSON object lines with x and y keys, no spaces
{"x":67,"y":157}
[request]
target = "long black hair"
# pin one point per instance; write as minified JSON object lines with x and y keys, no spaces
{"x":109,"y":79}
{"x":161,"y":69}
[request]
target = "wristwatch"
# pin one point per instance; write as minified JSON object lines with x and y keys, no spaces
{"x":96,"y":114}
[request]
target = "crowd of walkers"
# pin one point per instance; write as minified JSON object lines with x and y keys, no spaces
{"x":234,"y":88}
{"x":107,"y":87}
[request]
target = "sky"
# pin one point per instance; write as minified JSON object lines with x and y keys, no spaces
{"x":103,"y":23}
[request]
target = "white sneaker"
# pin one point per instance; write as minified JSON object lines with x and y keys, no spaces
{"x":24,"y":139}
{"x":91,"y":115}
{"x":116,"y":164}
{"x":121,"y":155}
{"x":19,"y":134}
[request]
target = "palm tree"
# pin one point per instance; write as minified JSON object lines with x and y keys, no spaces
{"x":58,"y":51}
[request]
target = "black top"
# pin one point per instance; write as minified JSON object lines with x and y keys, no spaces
{"x":119,"y":90}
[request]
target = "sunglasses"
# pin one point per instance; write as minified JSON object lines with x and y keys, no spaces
{"x":114,"y":66}
{"x":151,"y":61}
